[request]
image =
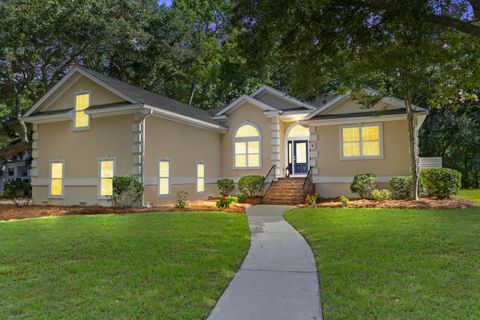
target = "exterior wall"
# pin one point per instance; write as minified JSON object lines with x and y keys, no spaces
{"x":183,"y":145}
{"x":334,"y":175}
{"x":247,"y":113}
{"x":66,"y":99}
{"x":108,"y":137}
{"x":352,"y":106}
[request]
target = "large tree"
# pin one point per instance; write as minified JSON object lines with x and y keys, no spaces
{"x":356,"y":44}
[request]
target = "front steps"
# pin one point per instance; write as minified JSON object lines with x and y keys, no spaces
{"x":286,"y":191}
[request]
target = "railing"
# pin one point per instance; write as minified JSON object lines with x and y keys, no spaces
{"x":269,"y":178}
{"x":308,"y":182}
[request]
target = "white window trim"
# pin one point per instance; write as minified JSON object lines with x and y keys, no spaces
{"x":99,"y":174}
{"x":204,"y":177}
{"x":247,"y":139}
{"x":50,"y":195}
{"x":75,"y":109}
{"x":362,"y":157}
{"x":169,"y":177}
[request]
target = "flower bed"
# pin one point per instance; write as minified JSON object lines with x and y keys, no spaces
{"x":423,"y":203}
{"x":8,"y":212}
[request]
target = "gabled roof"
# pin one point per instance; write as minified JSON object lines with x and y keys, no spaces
{"x":279,"y":94}
{"x":241,"y":100}
{"x":134,"y":95}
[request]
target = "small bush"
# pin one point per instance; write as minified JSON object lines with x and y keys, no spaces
{"x":401,"y":187}
{"x":381,"y":195}
{"x":440,"y":182}
{"x":251,"y":186}
{"x":127,"y":192}
{"x":224,"y":202}
{"x":241,"y":198}
{"x":182,"y":200}
{"x":225,"y":186}
{"x":18,"y":191}
{"x":363,"y":185}
{"x":233,"y":198}
{"x":312,"y":200}
{"x":344,"y":200}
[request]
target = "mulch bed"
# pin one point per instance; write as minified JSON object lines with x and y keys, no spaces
{"x":8,"y":212}
{"x":423,"y":203}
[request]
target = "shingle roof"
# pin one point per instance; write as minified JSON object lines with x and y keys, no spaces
{"x":52,"y":112}
{"x":322,"y":100}
{"x":153,"y":99}
{"x":363,"y":114}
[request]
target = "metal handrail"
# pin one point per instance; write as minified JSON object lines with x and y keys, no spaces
{"x":308,"y":182}
{"x":269,"y":178}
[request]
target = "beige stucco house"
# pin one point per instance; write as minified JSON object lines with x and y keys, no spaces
{"x":90,"y":127}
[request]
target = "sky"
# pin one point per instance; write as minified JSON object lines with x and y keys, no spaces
{"x":168,"y":3}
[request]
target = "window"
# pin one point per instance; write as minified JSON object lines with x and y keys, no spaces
{"x":106,"y":177}
{"x":247,"y":147}
{"x":200,"y":177}
{"x":56,"y":179}
{"x":164,"y":177}
{"x":298,"y":131}
{"x":11,"y":172}
{"x":362,"y":142}
{"x":82,"y":102}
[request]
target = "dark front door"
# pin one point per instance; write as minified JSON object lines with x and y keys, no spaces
{"x":300,"y":157}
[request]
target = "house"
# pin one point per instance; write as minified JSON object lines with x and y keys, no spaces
{"x":15,"y":168}
{"x":90,"y":127}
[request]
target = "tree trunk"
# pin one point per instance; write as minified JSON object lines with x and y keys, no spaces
{"x":23,"y":132}
{"x":412,"y":146}
{"x":192,"y":90}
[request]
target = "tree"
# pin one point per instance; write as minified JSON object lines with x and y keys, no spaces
{"x":358,"y":44}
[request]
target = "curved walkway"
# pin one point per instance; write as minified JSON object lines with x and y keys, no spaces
{"x":278,"y":279}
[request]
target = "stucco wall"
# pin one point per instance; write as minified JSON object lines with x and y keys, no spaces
{"x":331,"y":168}
{"x":246,"y":113}
{"x":183,"y":145}
{"x":81,"y":150}
{"x":66,"y":99}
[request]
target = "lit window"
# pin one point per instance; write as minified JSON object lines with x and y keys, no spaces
{"x":164,"y":177}
{"x":361,"y":142}
{"x":56,"y":179}
{"x":200,"y":177}
{"x":82,"y":102}
{"x":298,"y":131}
{"x":106,"y":177}
{"x":247,"y":147}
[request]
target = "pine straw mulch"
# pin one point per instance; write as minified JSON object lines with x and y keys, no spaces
{"x":423,"y":203}
{"x":10,"y":211}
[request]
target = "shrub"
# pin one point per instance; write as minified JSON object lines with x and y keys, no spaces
{"x":182,"y":200}
{"x":241,"y":198}
{"x":344,"y":200}
{"x":127,"y":192}
{"x":401,"y":187}
{"x":233,"y":198}
{"x":251,"y":185}
{"x":381,"y":195}
{"x":312,"y":199}
{"x":225,"y":186}
{"x":441,"y":182}
{"x":18,"y":191}
{"x":224,"y":202}
{"x":363,"y":184}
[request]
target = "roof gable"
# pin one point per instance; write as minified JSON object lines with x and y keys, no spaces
{"x":278,"y":99}
{"x":242,"y":100}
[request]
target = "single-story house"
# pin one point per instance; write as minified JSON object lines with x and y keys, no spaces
{"x":90,"y":127}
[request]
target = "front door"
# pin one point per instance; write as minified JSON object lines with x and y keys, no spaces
{"x":298,"y":157}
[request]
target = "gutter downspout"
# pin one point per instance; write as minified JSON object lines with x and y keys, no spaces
{"x":143,"y":154}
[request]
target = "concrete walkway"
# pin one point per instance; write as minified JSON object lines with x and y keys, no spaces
{"x":278,"y":279}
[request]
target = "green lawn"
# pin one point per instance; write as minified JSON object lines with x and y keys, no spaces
{"x":395,"y":264}
{"x":147,"y":266}
{"x":470,"y":194}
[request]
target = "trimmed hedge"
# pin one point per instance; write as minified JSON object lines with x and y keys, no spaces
{"x":440,"y":182}
{"x":363,"y":185}
{"x":251,"y":186}
{"x":225,"y":186}
{"x":401,"y":187}
{"x":127,"y":192}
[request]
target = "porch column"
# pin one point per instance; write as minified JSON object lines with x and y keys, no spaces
{"x":275,"y":144}
{"x":313,"y":152}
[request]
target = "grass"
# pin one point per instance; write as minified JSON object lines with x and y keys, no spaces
{"x":148,"y":266}
{"x":470,"y":194}
{"x":395,"y":264}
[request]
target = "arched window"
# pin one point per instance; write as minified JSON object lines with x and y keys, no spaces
{"x":298,"y":131}
{"x":247,"y":147}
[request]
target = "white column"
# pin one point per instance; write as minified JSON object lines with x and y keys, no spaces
{"x":137,"y":138}
{"x":275,"y":145}
{"x":33,"y":166}
{"x":313,"y":150}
